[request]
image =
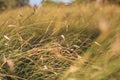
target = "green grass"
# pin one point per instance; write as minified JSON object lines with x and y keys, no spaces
{"x":60,"y":43}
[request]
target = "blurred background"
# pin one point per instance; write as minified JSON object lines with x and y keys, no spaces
{"x":11,"y":4}
{"x":38,"y":2}
{"x":7,"y":4}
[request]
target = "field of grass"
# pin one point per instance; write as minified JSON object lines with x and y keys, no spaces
{"x":76,"y":42}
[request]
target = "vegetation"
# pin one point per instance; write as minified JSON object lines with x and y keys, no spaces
{"x":76,"y":42}
{"x":115,"y":1}
{"x":8,"y":4}
{"x":88,"y":1}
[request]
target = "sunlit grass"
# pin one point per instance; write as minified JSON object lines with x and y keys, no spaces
{"x":77,"y":42}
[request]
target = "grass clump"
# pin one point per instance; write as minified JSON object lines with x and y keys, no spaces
{"x":71,"y":44}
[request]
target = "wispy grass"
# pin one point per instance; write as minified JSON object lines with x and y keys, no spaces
{"x":77,"y":42}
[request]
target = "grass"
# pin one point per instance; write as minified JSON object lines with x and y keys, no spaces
{"x":73,"y":42}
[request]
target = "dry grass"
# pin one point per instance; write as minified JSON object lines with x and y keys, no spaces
{"x":76,"y":42}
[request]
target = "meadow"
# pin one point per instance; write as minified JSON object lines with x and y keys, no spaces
{"x":59,"y":42}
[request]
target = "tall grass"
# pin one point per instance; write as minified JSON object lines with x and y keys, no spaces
{"x":77,"y":42}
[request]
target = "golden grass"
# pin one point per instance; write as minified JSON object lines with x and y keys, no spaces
{"x":78,"y":42}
